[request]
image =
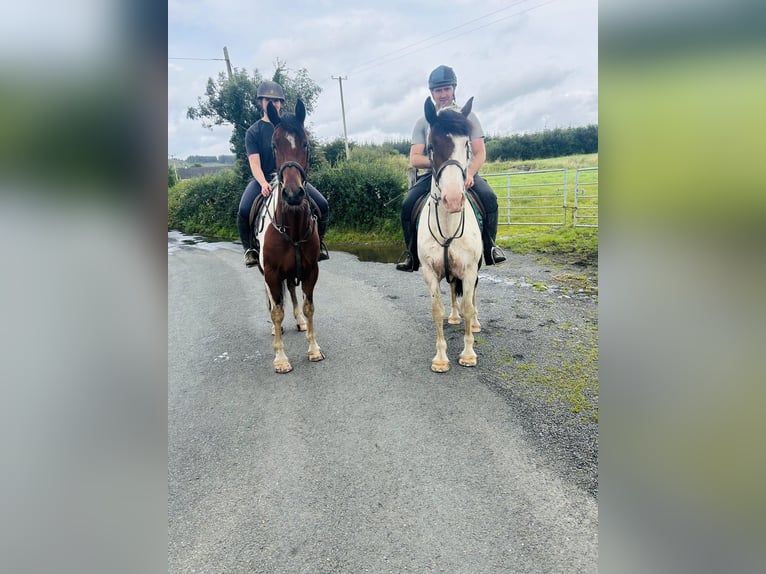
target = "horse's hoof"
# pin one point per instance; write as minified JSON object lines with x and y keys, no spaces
{"x":476,"y":328}
{"x":467,"y":361}
{"x":316,"y":357}
{"x":440,"y":366}
{"x":282,"y":367}
{"x":302,"y":327}
{"x":453,"y":320}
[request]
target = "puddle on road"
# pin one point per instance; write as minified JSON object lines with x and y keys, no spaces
{"x":375,"y":252}
{"x":178,"y":240}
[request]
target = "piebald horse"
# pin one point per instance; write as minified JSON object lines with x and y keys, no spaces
{"x":449,"y":239}
{"x":288,"y":234}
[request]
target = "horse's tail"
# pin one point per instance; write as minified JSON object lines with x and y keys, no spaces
{"x":458,"y":287}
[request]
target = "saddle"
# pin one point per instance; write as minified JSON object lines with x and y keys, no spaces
{"x":473,"y":200}
{"x":257,"y":218}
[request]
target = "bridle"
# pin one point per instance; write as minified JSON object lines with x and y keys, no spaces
{"x":297,"y":166}
{"x":437,"y":198}
{"x":306,"y":204}
{"x":438,"y":173}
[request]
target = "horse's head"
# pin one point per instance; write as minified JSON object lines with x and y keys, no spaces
{"x":449,"y":144}
{"x":291,"y":151}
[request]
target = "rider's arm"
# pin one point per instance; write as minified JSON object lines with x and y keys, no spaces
{"x":418,"y":157}
{"x":254,"y":159}
{"x":479,"y":153}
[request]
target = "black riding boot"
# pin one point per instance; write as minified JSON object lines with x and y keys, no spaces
{"x":322,"y":223}
{"x":245,"y":234}
{"x":492,"y":253}
{"x":408,"y":264}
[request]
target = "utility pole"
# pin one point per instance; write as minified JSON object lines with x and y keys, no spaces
{"x":343,"y":110}
{"x":175,"y":167}
{"x":228,"y":62}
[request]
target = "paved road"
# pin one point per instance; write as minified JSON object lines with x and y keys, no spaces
{"x":365,"y":462}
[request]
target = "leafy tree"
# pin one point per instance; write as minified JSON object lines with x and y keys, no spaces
{"x":233,"y":101}
{"x":549,"y":143}
{"x":172,"y":177}
{"x":335,"y":151}
{"x":201,"y":159}
{"x":401,"y":146}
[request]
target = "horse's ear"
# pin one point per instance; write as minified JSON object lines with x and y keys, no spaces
{"x":272,"y":114}
{"x":300,"y":111}
{"x":430,"y":110}
{"x":467,"y":107}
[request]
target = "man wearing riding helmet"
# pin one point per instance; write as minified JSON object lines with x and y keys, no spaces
{"x":260,"y":156}
{"x":442,"y":83}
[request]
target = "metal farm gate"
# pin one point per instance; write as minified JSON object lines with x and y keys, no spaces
{"x":545,"y":197}
{"x":585,"y":213}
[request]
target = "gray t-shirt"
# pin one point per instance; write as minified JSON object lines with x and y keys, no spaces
{"x":420,"y":131}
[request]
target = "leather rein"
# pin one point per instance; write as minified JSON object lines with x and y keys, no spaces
{"x":445,"y":244}
{"x":281,"y":227}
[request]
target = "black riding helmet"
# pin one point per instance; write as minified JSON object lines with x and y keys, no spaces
{"x":269,"y":89}
{"x":441,"y":77}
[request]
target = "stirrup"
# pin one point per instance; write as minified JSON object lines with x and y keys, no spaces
{"x":324,"y":254}
{"x":407,"y":264}
{"x":251,"y":258}
{"x":494,"y":256}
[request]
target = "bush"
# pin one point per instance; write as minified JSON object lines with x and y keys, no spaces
{"x":206,"y":205}
{"x":172,"y":177}
{"x":363,"y":195}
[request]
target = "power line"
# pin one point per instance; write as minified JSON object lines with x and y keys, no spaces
{"x":224,"y":59}
{"x":387,"y":59}
{"x":364,"y":64}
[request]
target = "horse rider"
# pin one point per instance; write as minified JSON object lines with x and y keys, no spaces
{"x":260,"y":156}
{"x":442,"y":83}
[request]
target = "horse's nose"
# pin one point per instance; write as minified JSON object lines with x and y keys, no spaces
{"x":294,"y":194}
{"x":453,"y":202}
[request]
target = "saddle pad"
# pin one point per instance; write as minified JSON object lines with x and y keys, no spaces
{"x":473,"y":199}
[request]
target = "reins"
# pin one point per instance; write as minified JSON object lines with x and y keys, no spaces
{"x":460,"y":229}
{"x":281,"y":227}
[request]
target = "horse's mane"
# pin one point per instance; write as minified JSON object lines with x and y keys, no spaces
{"x":450,"y":121}
{"x":289,"y":123}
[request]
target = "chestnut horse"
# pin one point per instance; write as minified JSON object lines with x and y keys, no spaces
{"x":289,"y":238}
{"x":449,"y":238}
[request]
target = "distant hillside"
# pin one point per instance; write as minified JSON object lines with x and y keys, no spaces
{"x":190,"y":172}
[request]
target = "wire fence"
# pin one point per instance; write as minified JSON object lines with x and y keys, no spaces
{"x":547,"y":197}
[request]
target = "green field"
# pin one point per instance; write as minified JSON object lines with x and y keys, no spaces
{"x":543,"y":192}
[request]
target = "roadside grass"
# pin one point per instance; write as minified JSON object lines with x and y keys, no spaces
{"x":576,"y":241}
{"x":571,"y":378}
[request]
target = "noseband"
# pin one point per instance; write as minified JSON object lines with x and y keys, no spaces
{"x":439,"y":172}
{"x":297,"y":166}
{"x":282,"y":228}
{"x":449,"y":162}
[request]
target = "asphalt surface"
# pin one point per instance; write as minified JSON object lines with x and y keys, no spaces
{"x":368,"y":461}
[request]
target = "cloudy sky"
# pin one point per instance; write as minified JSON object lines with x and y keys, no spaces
{"x":530,"y":64}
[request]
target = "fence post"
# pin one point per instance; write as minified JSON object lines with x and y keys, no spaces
{"x":576,"y":192}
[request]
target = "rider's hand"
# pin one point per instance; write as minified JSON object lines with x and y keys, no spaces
{"x":265,"y":189}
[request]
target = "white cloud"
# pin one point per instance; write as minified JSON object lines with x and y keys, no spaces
{"x":529,"y":65}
